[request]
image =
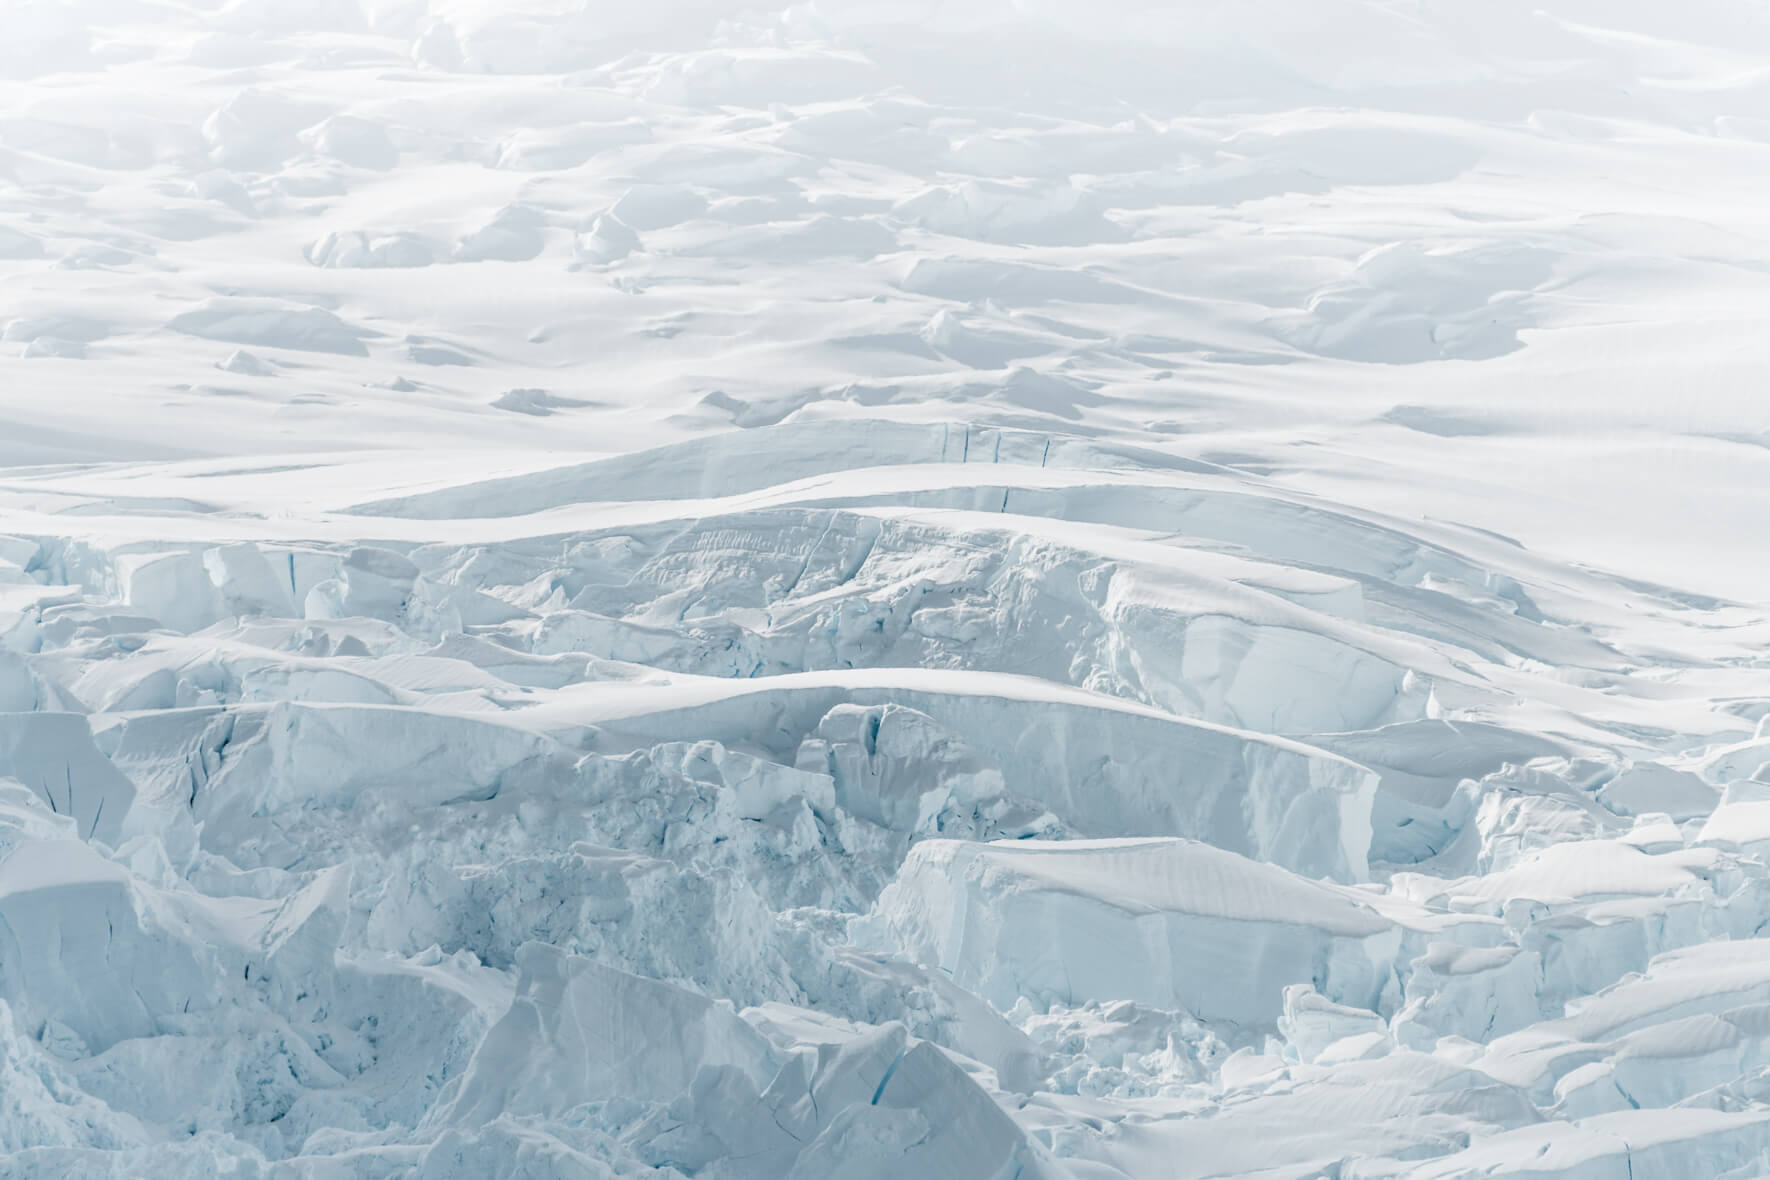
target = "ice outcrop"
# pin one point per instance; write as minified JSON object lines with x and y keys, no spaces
{"x":577,"y":1032}
{"x":538,"y":402}
{"x":924,"y":1117}
{"x":1651,"y":787}
{"x":1174,"y":924}
{"x":993,"y":211}
{"x":357,"y":249}
{"x":897,"y":767}
{"x":1410,"y":301}
{"x":607,"y":240}
{"x":1277,"y":800}
{"x":53,"y":754}
{"x":57,"y":336}
{"x":127,"y":982}
{"x":246,"y":364}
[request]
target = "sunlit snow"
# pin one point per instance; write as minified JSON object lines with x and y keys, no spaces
{"x":987,"y":590}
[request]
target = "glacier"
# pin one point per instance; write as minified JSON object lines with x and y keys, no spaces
{"x":1021,"y":590}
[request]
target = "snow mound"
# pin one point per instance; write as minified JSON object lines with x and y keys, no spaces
{"x":256,"y":129}
{"x":514,"y":234}
{"x":271,"y":324}
{"x":356,"y":142}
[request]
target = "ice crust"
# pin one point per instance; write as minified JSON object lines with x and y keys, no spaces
{"x":1002,"y":591}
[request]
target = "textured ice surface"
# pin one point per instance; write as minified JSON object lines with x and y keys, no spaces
{"x":974,"y":591}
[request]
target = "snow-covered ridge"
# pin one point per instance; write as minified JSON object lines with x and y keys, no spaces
{"x":978,"y":591}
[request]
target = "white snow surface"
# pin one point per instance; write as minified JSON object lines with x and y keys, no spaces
{"x":1010,"y":589}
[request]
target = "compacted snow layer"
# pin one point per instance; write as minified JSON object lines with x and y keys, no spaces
{"x":1081,"y":591}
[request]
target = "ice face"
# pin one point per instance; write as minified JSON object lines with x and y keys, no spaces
{"x":1011,"y":590}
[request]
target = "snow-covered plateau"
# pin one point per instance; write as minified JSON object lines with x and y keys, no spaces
{"x":885,"y":589}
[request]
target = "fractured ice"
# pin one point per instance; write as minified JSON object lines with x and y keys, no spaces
{"x":1065,"y":591}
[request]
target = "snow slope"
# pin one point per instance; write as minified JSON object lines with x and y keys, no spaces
{"x":1016,"y":589}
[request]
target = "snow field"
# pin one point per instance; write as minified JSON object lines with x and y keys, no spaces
{"x":1010,"y":590}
